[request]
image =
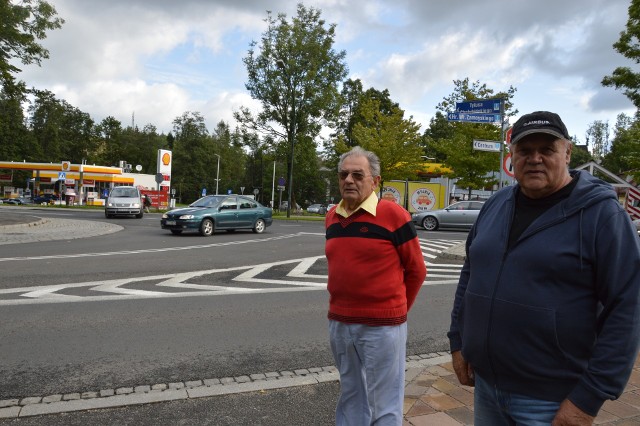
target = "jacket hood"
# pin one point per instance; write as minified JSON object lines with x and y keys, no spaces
{"x":588,"y":191}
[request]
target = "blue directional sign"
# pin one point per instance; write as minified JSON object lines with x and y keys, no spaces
{"x":473,"y":117}
{"x":480,"y":106}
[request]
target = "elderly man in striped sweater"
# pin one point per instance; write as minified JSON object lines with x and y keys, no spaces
{"x":376,"y":268}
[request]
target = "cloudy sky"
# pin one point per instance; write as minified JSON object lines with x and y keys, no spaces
{"x":156,"y":59}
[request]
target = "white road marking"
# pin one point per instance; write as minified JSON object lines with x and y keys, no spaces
{"x":144,"y":251}
{"x":297,"y":279}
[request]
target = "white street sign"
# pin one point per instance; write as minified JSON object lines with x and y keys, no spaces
{"x":492,"y":146}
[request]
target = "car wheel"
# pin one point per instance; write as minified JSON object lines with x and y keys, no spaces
{"x":206,"y":228}
{"x":139,"y":215}
{"x":176,"y":231}
{"x":259,"y":227}
{"x":430,"y":223}
{"x":107,"y":215}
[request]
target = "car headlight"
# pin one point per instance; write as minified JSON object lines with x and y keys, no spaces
{"x":186,"y":216}
{"x":165,"y":216}
{"x":136,"y":205}
{"x":110,"y":204}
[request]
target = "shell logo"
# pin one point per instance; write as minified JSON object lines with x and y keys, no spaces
{"x":166,"y":158}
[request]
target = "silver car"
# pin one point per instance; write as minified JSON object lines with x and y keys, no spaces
{"x":124,"y":201}
{"x":461,"y":215}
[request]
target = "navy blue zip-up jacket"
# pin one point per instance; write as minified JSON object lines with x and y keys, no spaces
{"x":557,"y":315}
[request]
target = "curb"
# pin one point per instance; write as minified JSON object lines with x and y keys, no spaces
{"x":38,"y":222}
{"x":146,"y":394}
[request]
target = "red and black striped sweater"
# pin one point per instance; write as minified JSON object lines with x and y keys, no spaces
{"x":376,"y":265}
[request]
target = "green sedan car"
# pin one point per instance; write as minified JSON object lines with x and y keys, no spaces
{"x":216,"y":212}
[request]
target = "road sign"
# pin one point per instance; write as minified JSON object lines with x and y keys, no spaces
{"x":482,"y":106}
{"x":508,"y":135}
{"x":281,"y":181}
{"x":492,"y":146}
{"x":507,"y":166}
{"x":62,"y":175}
{"x":473,"y":117}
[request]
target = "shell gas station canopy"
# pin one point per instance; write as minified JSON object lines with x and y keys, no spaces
{"x":51,"y":171}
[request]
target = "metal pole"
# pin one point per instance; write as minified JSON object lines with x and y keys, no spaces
{"x":290,"y":177}
{"x":273,"y":185}
{"x":217,"y":173}
{"x":501,"y":142}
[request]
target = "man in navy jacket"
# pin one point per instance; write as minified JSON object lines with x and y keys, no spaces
{"x":545,"y":322}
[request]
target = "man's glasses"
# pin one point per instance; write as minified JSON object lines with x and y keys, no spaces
{"x":355,"y":175}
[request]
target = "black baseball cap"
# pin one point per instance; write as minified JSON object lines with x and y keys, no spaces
{"x":539,"y":122}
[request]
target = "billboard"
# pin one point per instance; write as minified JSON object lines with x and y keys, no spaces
{"x":421,"y":196}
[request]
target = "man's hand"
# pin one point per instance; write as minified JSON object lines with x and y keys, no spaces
{"x":570,"y":415}
{"x":463,"y":369}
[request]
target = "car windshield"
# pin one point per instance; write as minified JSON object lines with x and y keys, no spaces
{"x":209,"y":201}
{"x":124,"y":192}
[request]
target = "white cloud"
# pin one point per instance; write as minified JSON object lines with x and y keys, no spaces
{"x":161,"y":58}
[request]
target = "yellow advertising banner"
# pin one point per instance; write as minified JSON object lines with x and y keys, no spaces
{"x":422,"y":196}
{"x":425,"y":196}
{"x":394,"y":191}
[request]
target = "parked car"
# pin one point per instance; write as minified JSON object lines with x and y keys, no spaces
{"x":45,"y":199}
{"x":317,"y":208}
{"x":16,"y":201}
{"x":214,"y":212}
{"x":124,"y":201}
{"x":461,"y":215}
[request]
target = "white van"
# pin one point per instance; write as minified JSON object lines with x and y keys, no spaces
{"x":124,"y":201}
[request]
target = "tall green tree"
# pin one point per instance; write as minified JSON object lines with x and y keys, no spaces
{"x":393,"y":138}
{"x":294,"y":72}
{"x":45,"y":122}
{"x":110,"y":150}
{"x":16,"y":141}
{"x":193,"y":159}
{"x":356,"y":110}
{"x":624,"y":156}
{"x":22,"y":25}
{"x":597,"y":138}
{"x":628,"y":45}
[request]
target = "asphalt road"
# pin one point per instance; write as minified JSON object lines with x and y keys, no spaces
{"x":89,"y":314}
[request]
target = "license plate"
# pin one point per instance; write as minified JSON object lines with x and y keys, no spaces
{"x":170,"y":222}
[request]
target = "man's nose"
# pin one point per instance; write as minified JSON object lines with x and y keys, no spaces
{"x":535,"y":157}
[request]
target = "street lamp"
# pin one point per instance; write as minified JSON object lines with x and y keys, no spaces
{"x":217,"y":173}
{"x":291,"y":133}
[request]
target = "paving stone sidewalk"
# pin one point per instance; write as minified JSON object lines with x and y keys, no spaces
{"x":433,"y":397}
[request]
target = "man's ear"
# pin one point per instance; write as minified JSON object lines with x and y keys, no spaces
{"x":569,"y":149}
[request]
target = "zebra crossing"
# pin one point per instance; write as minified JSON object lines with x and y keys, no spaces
{"x":440,"y":272}
{"x":304,"y":274}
